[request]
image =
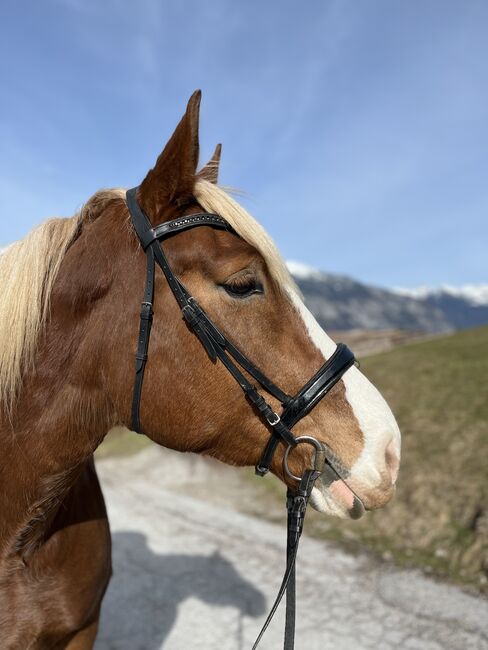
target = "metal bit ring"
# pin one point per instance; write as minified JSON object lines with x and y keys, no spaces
{"x":319,"y":447}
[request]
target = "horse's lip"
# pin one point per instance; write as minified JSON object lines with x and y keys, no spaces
{"x":340,"y":491}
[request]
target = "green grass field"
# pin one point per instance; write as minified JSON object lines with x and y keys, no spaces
{"x":121,"y":442}
{"x":438,"y":521}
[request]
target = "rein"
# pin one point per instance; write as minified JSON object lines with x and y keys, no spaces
{"x":219,"y":347}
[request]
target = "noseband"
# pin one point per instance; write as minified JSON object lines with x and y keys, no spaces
{"x":219,"y":347}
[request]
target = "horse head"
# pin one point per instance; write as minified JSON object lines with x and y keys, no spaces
{"x":190,"y":403}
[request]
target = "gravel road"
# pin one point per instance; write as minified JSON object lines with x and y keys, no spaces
{"x":190,"y":572}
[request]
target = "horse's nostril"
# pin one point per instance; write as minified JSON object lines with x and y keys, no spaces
{"x":392,"y":461}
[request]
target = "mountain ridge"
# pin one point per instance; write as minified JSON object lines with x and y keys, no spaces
{"x":340,"y":302}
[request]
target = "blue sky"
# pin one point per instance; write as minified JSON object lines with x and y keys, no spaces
{"x":358,"y":130}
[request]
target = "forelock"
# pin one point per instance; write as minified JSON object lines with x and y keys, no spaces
{"x":215,"y":199}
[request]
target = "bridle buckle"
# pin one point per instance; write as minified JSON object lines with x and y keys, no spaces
{"x":274,"y":422}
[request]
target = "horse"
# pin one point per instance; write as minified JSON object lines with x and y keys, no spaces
{"x":69,"y":311}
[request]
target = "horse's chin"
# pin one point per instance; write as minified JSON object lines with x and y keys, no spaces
{"x":336,"y":500}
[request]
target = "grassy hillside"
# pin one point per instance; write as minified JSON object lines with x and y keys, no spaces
{"x":438,"y":390}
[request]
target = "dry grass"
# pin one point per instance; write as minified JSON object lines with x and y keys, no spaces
{"x":438,"y":521}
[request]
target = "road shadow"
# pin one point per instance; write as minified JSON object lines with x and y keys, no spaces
{"x":141,"y":605}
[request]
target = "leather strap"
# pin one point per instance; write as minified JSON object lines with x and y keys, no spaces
{"x":319,"y":385}
{"x":146,"y":317}
{"x":182,"y":223}
{"x":296,"y":504}
{"x":303,"y":402}
{"x":215,"y":343}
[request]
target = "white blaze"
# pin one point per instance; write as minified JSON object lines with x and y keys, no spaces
{"x":372,"y":413}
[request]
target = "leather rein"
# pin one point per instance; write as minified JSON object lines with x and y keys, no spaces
{"x":219,"y":347}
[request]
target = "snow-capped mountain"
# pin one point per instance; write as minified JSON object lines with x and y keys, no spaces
{"x":463,"y":307}
{"x":339,"y":302}
{"x":475,"y":294}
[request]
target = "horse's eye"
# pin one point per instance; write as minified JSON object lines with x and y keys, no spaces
{"x":243,"y":287}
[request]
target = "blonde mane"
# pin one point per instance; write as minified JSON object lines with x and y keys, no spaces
{"x":29,"y":268}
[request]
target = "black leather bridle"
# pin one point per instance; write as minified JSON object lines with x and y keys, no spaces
{"x":219,"y":347}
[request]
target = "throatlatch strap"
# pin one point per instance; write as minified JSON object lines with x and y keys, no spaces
{"x":146,"y":317}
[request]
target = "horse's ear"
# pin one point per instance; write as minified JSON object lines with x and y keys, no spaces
{"x":170,"y":182}
{"x":210,"y":171}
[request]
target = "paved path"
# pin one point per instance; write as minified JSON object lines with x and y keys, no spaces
{"x":190,"y":574}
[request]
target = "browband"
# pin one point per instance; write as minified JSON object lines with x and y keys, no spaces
{"x":183,"y":223}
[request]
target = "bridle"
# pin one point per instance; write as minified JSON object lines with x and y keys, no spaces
{"x":219,"y":347}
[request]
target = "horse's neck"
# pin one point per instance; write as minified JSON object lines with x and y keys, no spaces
{"x":35,"y":522}
{"x":63,"y":410}
{"x":54,"y":430}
